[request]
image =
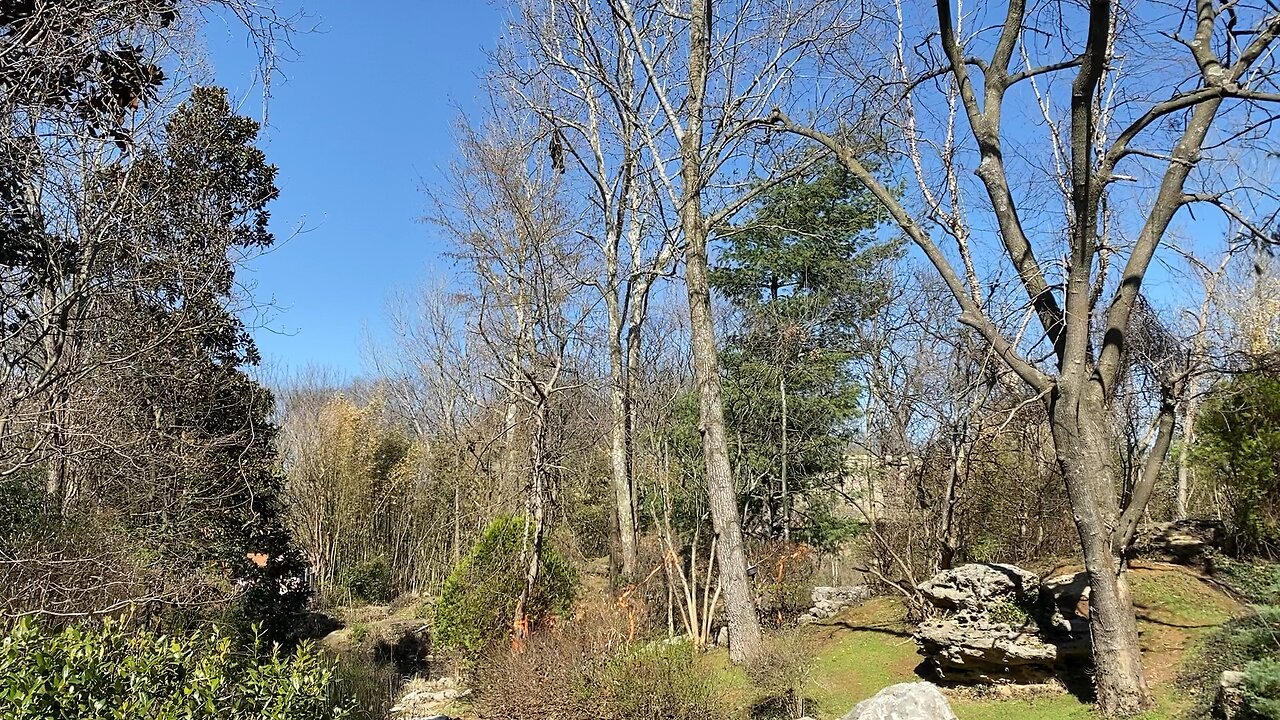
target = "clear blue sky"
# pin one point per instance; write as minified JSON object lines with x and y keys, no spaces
{"x":360,"y":119}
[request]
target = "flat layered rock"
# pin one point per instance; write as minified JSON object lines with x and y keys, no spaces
{"x":827,"y":601}
{"x":1185,"y":542}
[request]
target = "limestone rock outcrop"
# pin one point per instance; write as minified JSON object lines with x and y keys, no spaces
{"x":978,"y":586}
{"x":1000,"y":624}
{"x":1186,"y":542}
{"x":427,"y":699}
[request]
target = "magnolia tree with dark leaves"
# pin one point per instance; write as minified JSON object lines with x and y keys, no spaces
{"x":128,"y":425}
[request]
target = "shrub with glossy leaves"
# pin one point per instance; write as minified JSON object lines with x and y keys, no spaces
{"x":111,"y":672}
{"x":478,"y":602}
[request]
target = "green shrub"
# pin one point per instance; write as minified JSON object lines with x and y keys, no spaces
{"x":1234,"y":646}
{"x":478,"y":602}
{"x":1009,"y":613}
{"x":1238,"y":443}
{"x":1262,"y":689}
{"x":23,"y":503}
{"x":273,"y":600}
{"x":1258,"y":581}
{"x":368,"y":581}
{"x":109,"y":672}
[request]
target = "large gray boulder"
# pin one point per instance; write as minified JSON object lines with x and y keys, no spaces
{"x":1000,"y":625}
{"x":978,"y":586}
{"x":1186,"y":542}
{"x":905,"y":701}
{"x":983,"y":651}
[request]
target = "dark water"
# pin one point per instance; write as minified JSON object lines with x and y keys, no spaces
{"x":373,"y":687}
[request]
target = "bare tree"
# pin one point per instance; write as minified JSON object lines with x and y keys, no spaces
{"x":618,"y":98}
{"x":502,"y":212}
{"x":1162,"y":129}
{"x":437,"y":384}
{"x":709,"y":74}
{"x":572,"y":65}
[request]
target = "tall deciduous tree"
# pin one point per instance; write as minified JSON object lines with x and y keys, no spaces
{"x":513,"y":237}
{"x":1158,"y":132}
{"x":744,"y":626}
{"x":709,"y":72}
{"x":573,"y":65}
{"x":688,"y":86}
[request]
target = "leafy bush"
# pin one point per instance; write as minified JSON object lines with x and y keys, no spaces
{"x":273,"y":599}
{"x":478,"y":602}
{"x":1262,"y":689}
{"x":1009,"y":613}
{"x":368,"y":581}
{"x":23,"y":503}
{"x":112,"y":673}
{"x":1239,"y":441}
{"x":569,"y":675}
{"x":1238,"y":644}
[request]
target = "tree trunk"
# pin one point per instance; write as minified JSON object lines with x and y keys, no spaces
{"x":947,"y":552}
{"x":55,"y":483}
{"x":619,"y":455}
{"x":744,"y":626}
{"x":740,"y":607}
{"x":537,"y":520}
{"x":57,"y":490}
{"x":1182,"y":507}
{"x":639,"y":311}
{"x":1084,"y":454}
{"x":786,"y":491}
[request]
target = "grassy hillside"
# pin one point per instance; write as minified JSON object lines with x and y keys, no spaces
{"x":864,"y":649}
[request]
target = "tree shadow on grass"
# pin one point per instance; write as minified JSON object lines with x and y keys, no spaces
{"x":881,"y":629}
{"x":1144,"y":613}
